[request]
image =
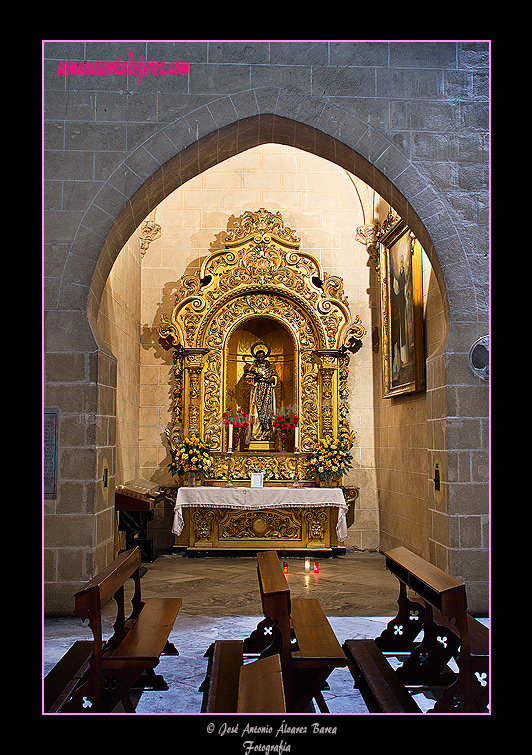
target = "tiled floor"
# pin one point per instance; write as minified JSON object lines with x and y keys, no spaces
{"x":221,"y":601}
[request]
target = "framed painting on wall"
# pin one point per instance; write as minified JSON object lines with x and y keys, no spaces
{"x":403,"y":357}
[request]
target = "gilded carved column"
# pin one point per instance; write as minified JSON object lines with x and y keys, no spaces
{"x":329,"y":365}
{"x":193,"y":364}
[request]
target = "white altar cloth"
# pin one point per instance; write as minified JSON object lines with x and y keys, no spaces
{"x":260,"y":498}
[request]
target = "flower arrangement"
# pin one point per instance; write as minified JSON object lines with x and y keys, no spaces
{"x":238,"y":418}
{"x":285,"y":422}
{"x":191,"y":455}
{"x":330,"y":458}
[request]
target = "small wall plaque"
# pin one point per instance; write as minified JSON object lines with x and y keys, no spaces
{"x":51,"y":421}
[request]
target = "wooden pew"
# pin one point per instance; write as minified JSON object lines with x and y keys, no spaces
{"x":235,"y":687}
{"x":382,"y":691}
{"x":309,"y":649}
{"x":66,"y":675}
{"x":94,"y":676}
{"x":439,"y":608}
{"x":260,"y":688}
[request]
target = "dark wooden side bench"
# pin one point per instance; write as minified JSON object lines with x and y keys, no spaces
{"x":94,"y":676}
{"x":66,"y":675}
{"x":376,"y":679}
{"x":439,"y":608}
{"x":308,"y":647}
{"x":235,"y":687}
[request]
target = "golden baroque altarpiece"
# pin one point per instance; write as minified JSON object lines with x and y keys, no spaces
{"x":260,"y":291}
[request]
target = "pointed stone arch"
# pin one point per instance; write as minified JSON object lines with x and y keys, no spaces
{"x":415,"y":201}
{"x":205,"y":137}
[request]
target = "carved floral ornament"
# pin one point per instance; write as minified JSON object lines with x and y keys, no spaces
{"x":149,"y":231}
{"x":374,"y":233}
{"x":260,"y":272}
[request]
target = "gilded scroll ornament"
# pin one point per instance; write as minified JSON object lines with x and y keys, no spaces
{"x":203,"y":522}
{"x":262,"y":222}
{"x":316,"y":520}
{"x":266,"y":524}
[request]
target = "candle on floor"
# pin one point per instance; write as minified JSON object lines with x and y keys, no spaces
{"x":316,"y":566}
{"x":285,"y":567}
{"x":307,"y":564}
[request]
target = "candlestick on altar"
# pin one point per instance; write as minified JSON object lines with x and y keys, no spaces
{"x":229,"y":484}
{"x":295,"y":484}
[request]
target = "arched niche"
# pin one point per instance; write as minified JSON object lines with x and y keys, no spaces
{"x":283,"y":357}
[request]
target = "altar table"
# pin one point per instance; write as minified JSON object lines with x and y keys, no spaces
{"x":280,"y":517}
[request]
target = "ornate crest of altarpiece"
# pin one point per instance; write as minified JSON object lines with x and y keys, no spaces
{"x":260,"y":288}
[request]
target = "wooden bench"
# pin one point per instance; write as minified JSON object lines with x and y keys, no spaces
{"x":307,"y":645}
{"x":66,"y":675}
{"x":235,"y":687}
{"x":376,"y":679}
{"x":94,"y":676}
{"x":439,"y":609}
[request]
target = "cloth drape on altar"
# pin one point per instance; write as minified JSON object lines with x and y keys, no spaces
{"x":260,"y":498}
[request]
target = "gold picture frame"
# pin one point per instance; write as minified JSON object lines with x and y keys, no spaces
{"x":403,"y":351}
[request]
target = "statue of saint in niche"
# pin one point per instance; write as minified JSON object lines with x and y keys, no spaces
{"x":262,"y":407}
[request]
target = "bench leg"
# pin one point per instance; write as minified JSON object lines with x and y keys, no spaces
{"x":115,"y":689}
{"x":470,"y":691}
{"x":307,"y":685}
{"x":427,"y":661}
{"x":150,"y":680}
{"x":322,"y":705}
{"x":260,"y":638}
{"x":401,"y":632}
{"x":265,"y":640}
{"x":128,"y":705}
{"x":169,"y":649}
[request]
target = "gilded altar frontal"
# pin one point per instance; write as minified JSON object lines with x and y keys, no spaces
{"x":263,"y":306}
